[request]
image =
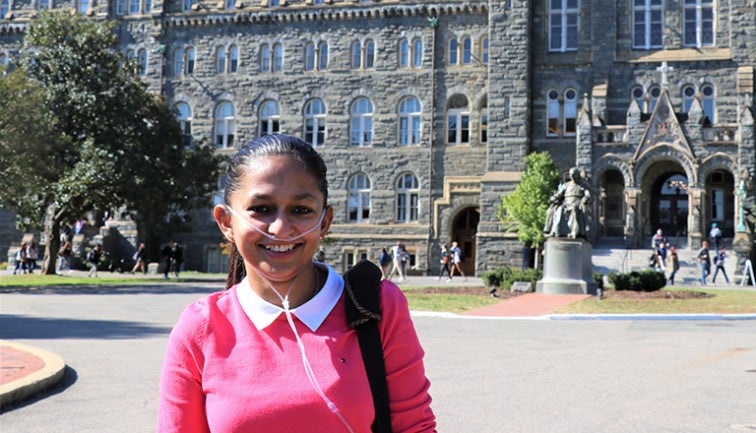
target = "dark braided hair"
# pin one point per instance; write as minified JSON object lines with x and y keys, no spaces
{"x":243,"y":162}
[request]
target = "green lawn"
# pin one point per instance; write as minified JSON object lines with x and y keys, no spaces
{"x":721,"y":302}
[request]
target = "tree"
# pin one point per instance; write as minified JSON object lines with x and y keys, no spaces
{"x":526,"y":206}
{"x":94,"y":137}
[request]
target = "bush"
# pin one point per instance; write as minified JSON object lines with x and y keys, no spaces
{"x":598,"y":277}
{"x":503,"y":278}
{"x":644,"y":281}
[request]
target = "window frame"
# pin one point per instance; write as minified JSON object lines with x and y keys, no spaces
{"x":564,"y":26}
{"x":460,"y":116}
{"x":227,"y":122}
{"x":358,"y":198}
{"x":361,"y":113}
{"x":407,"y":199}
{"x":269,"y":118}
{"x":651,"y":14}
{"x":184,"y":117}
{"x":410,"y":121}
{"x":703,"y":27}
{"x":314,"y":122}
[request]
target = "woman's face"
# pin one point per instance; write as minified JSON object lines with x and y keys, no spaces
{"x":281,"y":199}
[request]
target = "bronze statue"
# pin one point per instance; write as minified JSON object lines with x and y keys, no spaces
{"x":567,"y":215}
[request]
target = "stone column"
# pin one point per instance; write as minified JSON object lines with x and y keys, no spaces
{"x":696,"y":215}
{"x":632,"y":222}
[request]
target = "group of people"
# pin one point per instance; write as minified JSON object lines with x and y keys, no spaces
{"x":664,"y":257}
{"x":395,"y":262}
{"x":451,"y":261}
{"x":25,"y":258}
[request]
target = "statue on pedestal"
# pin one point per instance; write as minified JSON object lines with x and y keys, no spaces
{"x":568,"y":214}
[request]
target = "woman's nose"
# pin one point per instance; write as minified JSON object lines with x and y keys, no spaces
{"x":280,"y":226}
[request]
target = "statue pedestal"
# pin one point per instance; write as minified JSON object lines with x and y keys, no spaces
{"x":567,"y":268}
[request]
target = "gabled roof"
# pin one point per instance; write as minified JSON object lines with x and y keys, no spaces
{"x":664,"y":128}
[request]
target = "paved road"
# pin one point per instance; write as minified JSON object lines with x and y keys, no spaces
{"x":487,"y":375}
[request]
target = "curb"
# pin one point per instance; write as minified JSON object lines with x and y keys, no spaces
{"x":618,"y":317}
{"x":45,"y":377}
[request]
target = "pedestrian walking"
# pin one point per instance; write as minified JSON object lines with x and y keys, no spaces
{"x":19,"y":258}
{"x":673,"y":264}
{"x":140,"y":259}
{"x":704,"y":261}
{"x":457,"y":258}
{"x":32,"y":254}
{"x":445,"y":264}
{"x":719,"y":265}
{"x":93,"y":258}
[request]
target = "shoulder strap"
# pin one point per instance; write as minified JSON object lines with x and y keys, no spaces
{"x":363,"y":312}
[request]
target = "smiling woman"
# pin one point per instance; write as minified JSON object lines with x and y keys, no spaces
{"x":273,"y":352}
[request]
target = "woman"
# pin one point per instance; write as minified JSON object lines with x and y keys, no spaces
{"x":445,"y":263}
{"x":273,"y":353}
{"x":139,"y":257}
{"x":674,"y":265}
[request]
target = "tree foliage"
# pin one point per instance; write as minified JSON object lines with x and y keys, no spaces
{"x":86,"y":134}
{"x":526,"y":206}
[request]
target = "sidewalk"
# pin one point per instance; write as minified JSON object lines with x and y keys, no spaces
{"x":26,"y":370}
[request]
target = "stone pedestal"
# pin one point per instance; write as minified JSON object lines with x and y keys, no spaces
{"x":567,"y":268}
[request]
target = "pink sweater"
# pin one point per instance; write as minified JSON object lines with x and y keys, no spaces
{"x":222,"y":374}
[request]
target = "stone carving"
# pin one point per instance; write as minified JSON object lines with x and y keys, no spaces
{"x":568,"y":213}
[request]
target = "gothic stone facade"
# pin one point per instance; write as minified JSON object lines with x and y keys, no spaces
{"x":425,"y":111}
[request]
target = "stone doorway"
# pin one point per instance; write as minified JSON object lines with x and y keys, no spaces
{"x":612,"y":204}
{"x":719,"y":202}
{"x":669,"y":205}
{"x":464,"y":229}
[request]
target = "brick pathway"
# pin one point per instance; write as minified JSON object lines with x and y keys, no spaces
{"x":529,"y":304}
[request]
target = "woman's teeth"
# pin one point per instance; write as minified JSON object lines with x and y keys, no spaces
{"x":279,"y":248}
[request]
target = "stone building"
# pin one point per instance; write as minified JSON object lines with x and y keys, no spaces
{"x":425,"y":110}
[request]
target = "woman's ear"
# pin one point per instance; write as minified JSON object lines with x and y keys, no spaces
{"x":223,"y":218}
{"x":327,"y":220}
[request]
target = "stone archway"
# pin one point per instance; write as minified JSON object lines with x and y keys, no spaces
{"x":463,"y":230}
{"x":665,"y":200}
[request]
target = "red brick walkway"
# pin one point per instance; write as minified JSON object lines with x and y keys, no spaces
{"x":15,"y":364}
{"x":529,"y":304}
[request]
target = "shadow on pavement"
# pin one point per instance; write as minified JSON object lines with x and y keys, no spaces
{"x":69,"y":379}
{"x":29,"y":327}
{"x":118,"y":289}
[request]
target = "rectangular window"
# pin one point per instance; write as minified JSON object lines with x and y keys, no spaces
{"x":717,"y":205}
{"x":648,"y":23}
{"x":698,"y":23}
{"x":133,"y":7}
{"x":563,"y":25}
{"x":484,"y":127}
{"x":120,"y":7}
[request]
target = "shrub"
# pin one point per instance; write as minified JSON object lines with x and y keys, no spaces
{"x":644,"y":281}
{"x":503,"y":278}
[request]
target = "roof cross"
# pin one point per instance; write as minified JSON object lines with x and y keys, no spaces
{"x":664,"y":69}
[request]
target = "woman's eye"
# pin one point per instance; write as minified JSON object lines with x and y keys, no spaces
{"x":302,"y":211}
{"x":259,"y":210}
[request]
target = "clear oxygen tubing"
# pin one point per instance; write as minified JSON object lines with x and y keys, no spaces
{"x":305,"y":361}
{"x":275,"y":238}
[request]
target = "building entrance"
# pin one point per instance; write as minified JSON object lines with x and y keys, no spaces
{"x":464,"y":229}
{"x":669,"y":205}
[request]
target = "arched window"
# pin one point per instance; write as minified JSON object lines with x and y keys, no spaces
{"x":369,"y":60}
{"x":230,"y":4}
{"x":134,"y":7}
{"x":225,"y":126}
{"x":466,"y":50}
{"x":269,"y":116}
{"x":570,"y":112}
{"x":315,"y":122}
{"x":358,"y":206}
{"x":142,"y":62}
{"x":417,"y":53}
{"x":220,"y":60}
{"x":233,"y":56}
{"x":484,"y":50}
{"x":552,"y":113}
{"x":453,"y":51}
{"x":4,"y":8}
{"x":688,"y":95}
{"x":178,"y":62}
{"x":407,"y":194}
{"x":186,"y":5}
{"x":707,"y":102}
{"x":265,"y":58}
{"x":323,"y":56}
{"x":361,"y":122}
{"x":356,"y":51}
{"x":189,"y":68}
{"x":404,"y":53}
{"x":83,"y":7}
{"x":637,"y":93}
{"x":409,"y":121}
{"x":184,"y":117}
{"x":654,"y":94}
{"x":310,"y":56}
{"x":458,"y":120}
{"x":278,"y":57}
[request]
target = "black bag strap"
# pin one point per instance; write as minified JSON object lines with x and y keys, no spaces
{"x":363,"y":312}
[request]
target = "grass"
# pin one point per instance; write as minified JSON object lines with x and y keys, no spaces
{"x":451,"y":303}
{"x":103,"y":279}
{"x":721,"y":302}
